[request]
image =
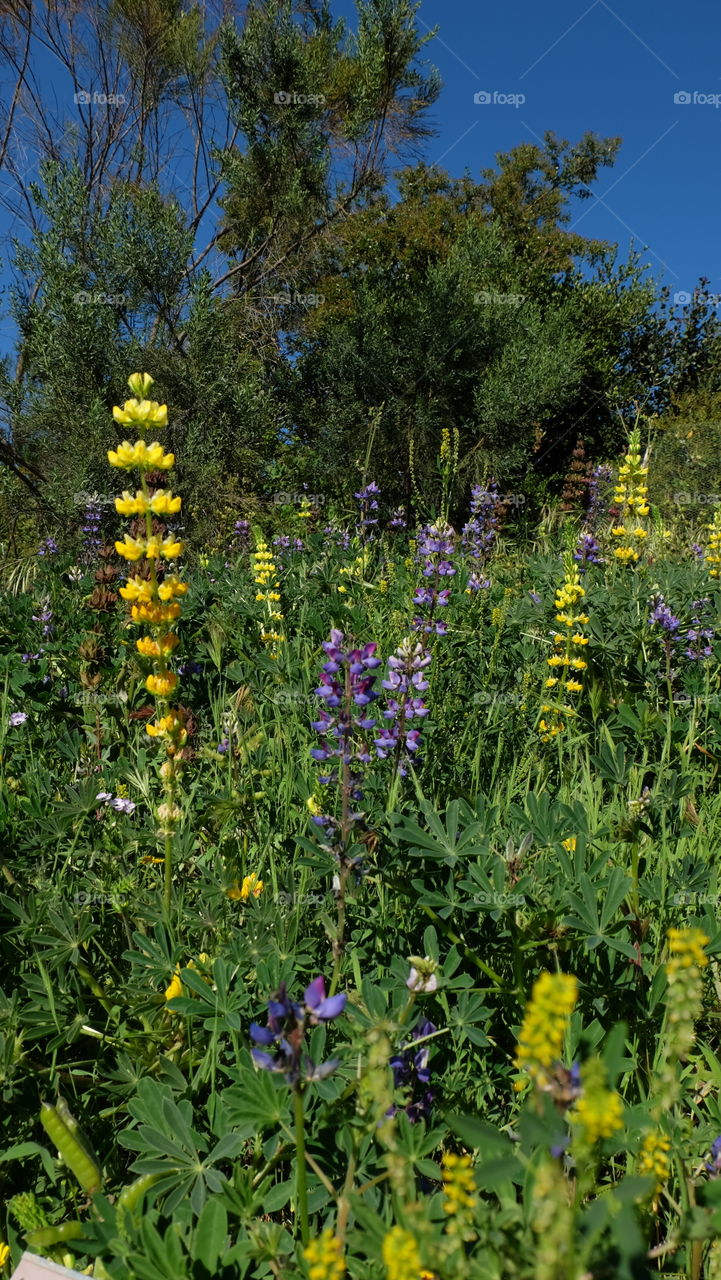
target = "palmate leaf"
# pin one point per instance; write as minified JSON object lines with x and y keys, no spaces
{"x":441,"y":843}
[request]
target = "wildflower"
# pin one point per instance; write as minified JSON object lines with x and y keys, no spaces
{"x":91,"y":529}
{"x":48,"y":548}
{"x":401,"y":1255}
{"x":252,"y":887}
{"x":285,"y":1032}
{"x":631,"y":503}
{"x":161,"y":685}
{"x":599,"y":1114}
{"x":175,"y":987}
{"x":411,"y":1073}
{"x":654,"y":1159}
{"x":17,"y":718}
{"x":459,"y":1185}
{"x":223,"y":747}
{"x":480,"y":534}
{"x":700,"y":634}
{"x":398,"y":519}
{"x":367,"y":498}
{"x":122,"y":805}
{"x":714,"y":1164}
{"x":265,"y":572}
{"x":569,"y":844}
{"x":141,"y":456}
{"x":436,"y":544}
{"x":423,"y":976}
{"x":407,"y":683}
{"x":713,"y":555}
{"x":588,"y":551}
{"x":540,"y":1042}
{"x":568,"y":598}
{"x":4,"y":1253}
{"x":324,"y":1256}
{"x":346,"y":682}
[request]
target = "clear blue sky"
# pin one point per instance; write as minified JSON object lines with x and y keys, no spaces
{"x":613,"y":68}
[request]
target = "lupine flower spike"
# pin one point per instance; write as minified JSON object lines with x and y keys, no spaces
{"x":268,"y":595}
{"x":713,"y":554}
{"x":566,"y":662}
{"x":153,"y":592}
{"x":631,"y":503}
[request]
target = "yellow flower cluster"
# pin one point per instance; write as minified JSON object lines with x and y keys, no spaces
{"x":445,"y":450}
{"x":599,"y":1114}
{"x":324,"y":1256}
{"x":4,"y":1254}
{"x":265,"y":578}
{"x":401,"y":1255}
{"x":459,"y":1185}
{"x":687,"y":951}
{"x":540,"y":1042}
{"x":631,"y":498}
{"x":152,"y":600}
{"x":565,"y":663}
{"x":252,"y":886}
{"x":713,"y":555}
{"x":654,"y":1160}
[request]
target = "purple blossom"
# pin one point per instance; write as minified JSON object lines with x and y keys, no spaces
{"x":700,"y":635}
{"x":347,"y":681}
{"x":398,"y":519}
{"x":367,"y":498}
{"x":190,"y":668}
{"x":223,"y":747}
{"x":411,"y":1073}
{"x":92,"y":520}
{"x":121,"y":805}
{"x":48,"y":547}
{"x":714,"y":1164}
{"x":406,"y":683}
{"x":17,"y":718}
{"x":480,"y":533}
{"x":599,"y":488}
{"x":662,"y":616}
{"x":436,"y":545}
{"x":46,"y":618}
{"x":286,"y":1029}
{"x":588,"y":551}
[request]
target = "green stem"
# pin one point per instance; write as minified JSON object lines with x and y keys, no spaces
{"x":168,"y":872}
{"x":301,"y":1180}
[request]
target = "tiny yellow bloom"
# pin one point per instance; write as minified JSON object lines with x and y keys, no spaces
{"x":175,"y":988}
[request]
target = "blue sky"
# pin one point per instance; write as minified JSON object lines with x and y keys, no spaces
{"x":614,"y":68}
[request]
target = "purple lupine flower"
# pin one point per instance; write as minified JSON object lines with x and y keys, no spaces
{"x":286,"y":1029}
{"x":46,"y":618}
{"x":398,"y":519}
{"x":223,"y":747}
{"x":436,"y":544}
{"x":367,"y":498}
{"x":92,"y":519}
{"x":48,"y":547}
{"x":347,"y":681}
{"x":104,"y":796}
{"x":121,"y":805}
{"x":480,"y":533}
{"x":411,"y":1073}
{"x":406,"y":683}
{"x":17,"y":718}
{"x":535,"y":597}
{"x":700,"y":634}
{"x":477,"y":584}
{"x":599,"y":490}
{"x":341,"y":537}
{"x":662,"y":616}
{"x":588,"y":551}
{"x":714,"y":1164}
{"x":698,"y":551}
{"x":190,"y":668}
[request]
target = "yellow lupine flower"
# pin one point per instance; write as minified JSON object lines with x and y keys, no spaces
{"x":654,"y":1159}
{"x":540,"y":1043}
{"x":136,"y":413}
{"x":171,"y":587}
{"x":175,"y":987}
{"x":155,"y":613}
{"x":599,"y":1114}
{"x":324,"y":1257}
{"x":146,"y":457}
{"x":150,"y":648}
{"x":131,"y":548}
{"x":162,"y":684}
{"x":4,"y":1254}
{"x":128,"y":505}
{"x":401,"y":1255}
{"x":252,"y":886}
{"x":165,"y":503}
{"x":139,"y":589}
{"x":459,"y":1185}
